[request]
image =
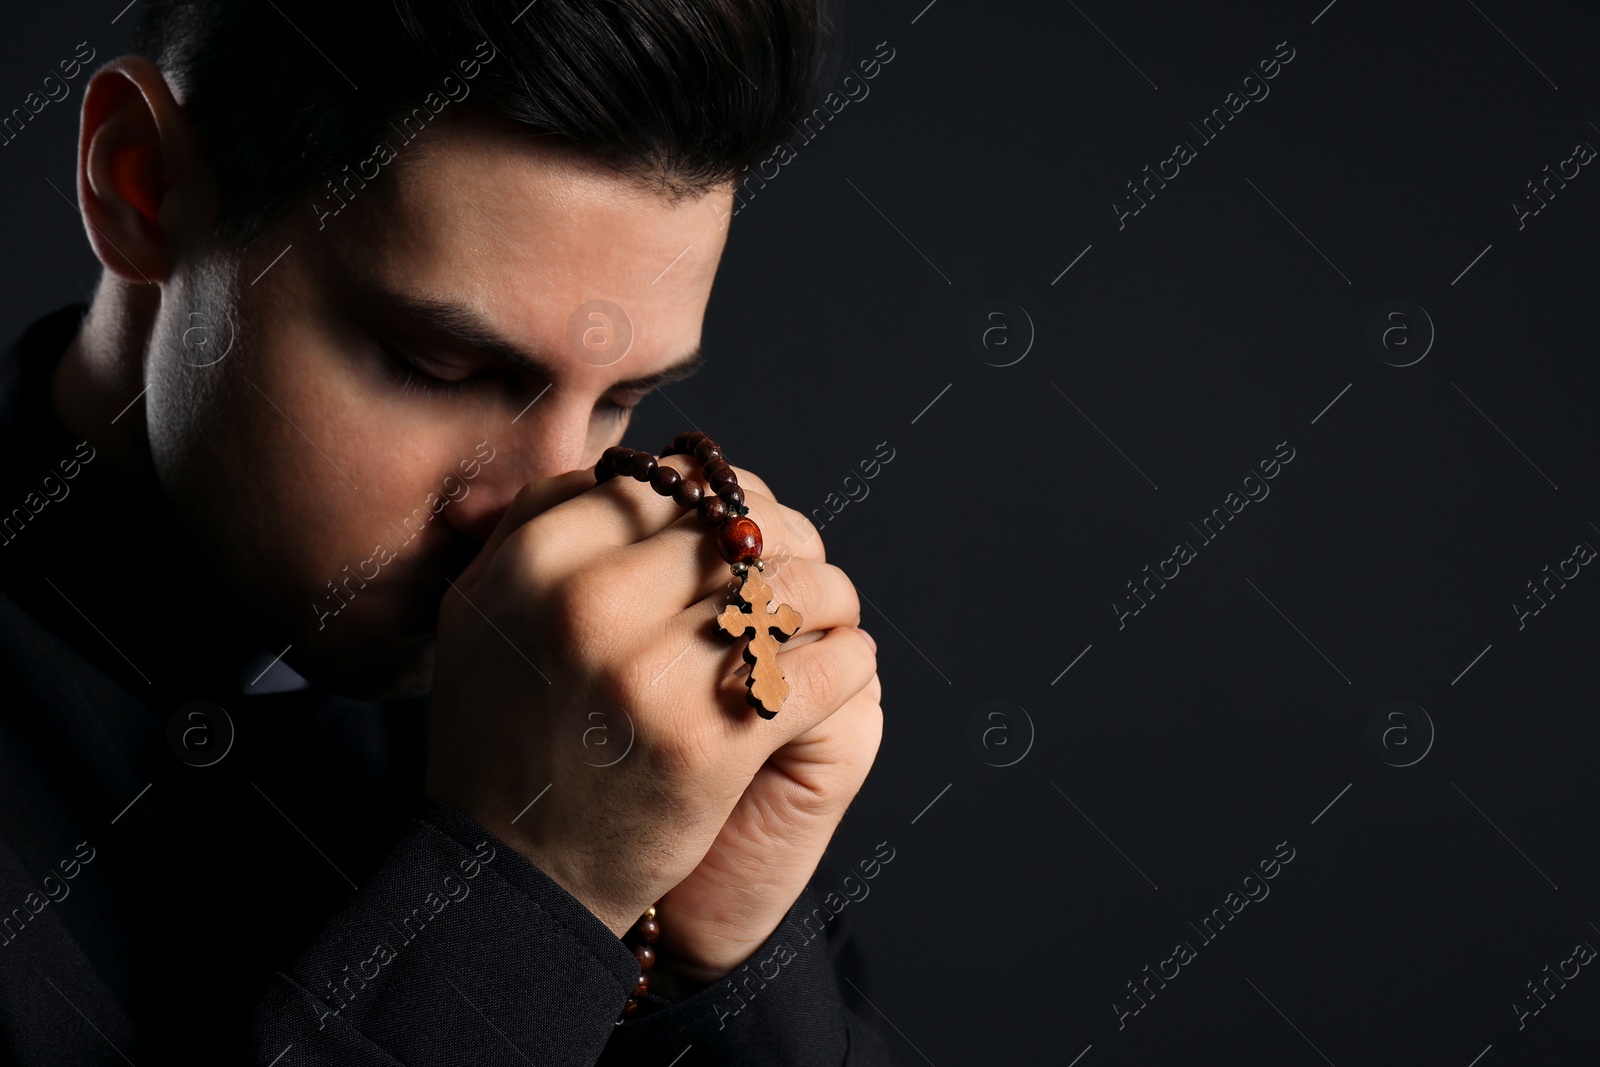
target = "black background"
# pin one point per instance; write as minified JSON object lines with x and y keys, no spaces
{"x":1221,"y":720}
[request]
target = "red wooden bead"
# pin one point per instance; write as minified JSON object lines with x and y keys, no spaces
{"x":648,"y":930}
{"x":739,"y":539}
{"x":630,"y":1007}
{"x":643,"y":986}
{"x":645,"y":955}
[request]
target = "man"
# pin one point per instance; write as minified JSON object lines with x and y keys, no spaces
{"x":348,"y":720}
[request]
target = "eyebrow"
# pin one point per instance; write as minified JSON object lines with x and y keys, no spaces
{"x":466,"y":327}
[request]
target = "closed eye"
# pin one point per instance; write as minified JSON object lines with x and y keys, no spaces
{"x":410,"y":377}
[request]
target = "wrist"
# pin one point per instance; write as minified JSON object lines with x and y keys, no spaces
{"x":618,"y":921}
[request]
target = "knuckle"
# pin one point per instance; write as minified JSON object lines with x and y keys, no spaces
{"x":810,"y":687}
{"x":811,"y":803}
{"x":533,"y":550}
{"x":800,"y":584}
{"x":584,"y":611}
{"x":852,"y":598}
{"x":778,"y":559}
{"x":799,"y":531}
{"x":826,"y":679}
{"x":868,"y":739}
{"x":826,"y":582}
{"x":864,"y":735}
{"x":750,"y":481}
{"x":868,"y":750}
{"x":523,"y":502}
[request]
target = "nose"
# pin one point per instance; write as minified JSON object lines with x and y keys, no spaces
{"x":546,"y":439}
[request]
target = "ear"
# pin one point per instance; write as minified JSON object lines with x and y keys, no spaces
{"x":144,"y":191}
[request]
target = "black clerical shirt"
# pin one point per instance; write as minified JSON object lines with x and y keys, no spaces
{"x":267,"y":885}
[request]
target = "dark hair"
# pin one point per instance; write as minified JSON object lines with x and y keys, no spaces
{"x":680,"y":94}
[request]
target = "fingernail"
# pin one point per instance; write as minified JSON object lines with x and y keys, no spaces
{"x":870,"y":641}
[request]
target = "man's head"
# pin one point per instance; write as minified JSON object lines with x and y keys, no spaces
{"x":310,"y":216}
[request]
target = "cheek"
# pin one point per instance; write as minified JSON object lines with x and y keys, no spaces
{"x":282,"y":460}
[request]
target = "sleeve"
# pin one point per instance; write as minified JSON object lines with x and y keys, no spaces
{"x":455,"y":950}
{"x":459,"y":950}
{"x":785,"y":1007}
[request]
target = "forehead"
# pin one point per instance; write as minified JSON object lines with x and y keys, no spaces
{"x":525,"y":229}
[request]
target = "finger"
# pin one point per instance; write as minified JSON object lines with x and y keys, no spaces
{"x":692,"y":646}
{"x":625,"y":511}
{"x":821,"y":679}
{"x":540,"y":519}
{"x":831,"y":760}
{"x":820,"y":593}
{"x":686,"y":566}
{"x":613,"y":514}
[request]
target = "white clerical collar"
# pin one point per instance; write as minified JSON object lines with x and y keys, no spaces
{"x":265,"y":672}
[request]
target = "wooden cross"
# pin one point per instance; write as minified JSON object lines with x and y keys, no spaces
{"x":766,"y":626}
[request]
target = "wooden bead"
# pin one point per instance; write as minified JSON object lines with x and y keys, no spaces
{"x":642,"y":465}
{"x":645,"y":930}
{"x":713,"y":511}
{"x":606,"y":467}
{"x":665,"y":480}
{"x":689,"y":493}
{"x":739,"y":539}
{"x":732,"y":496}
{"x":707,"y":452}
